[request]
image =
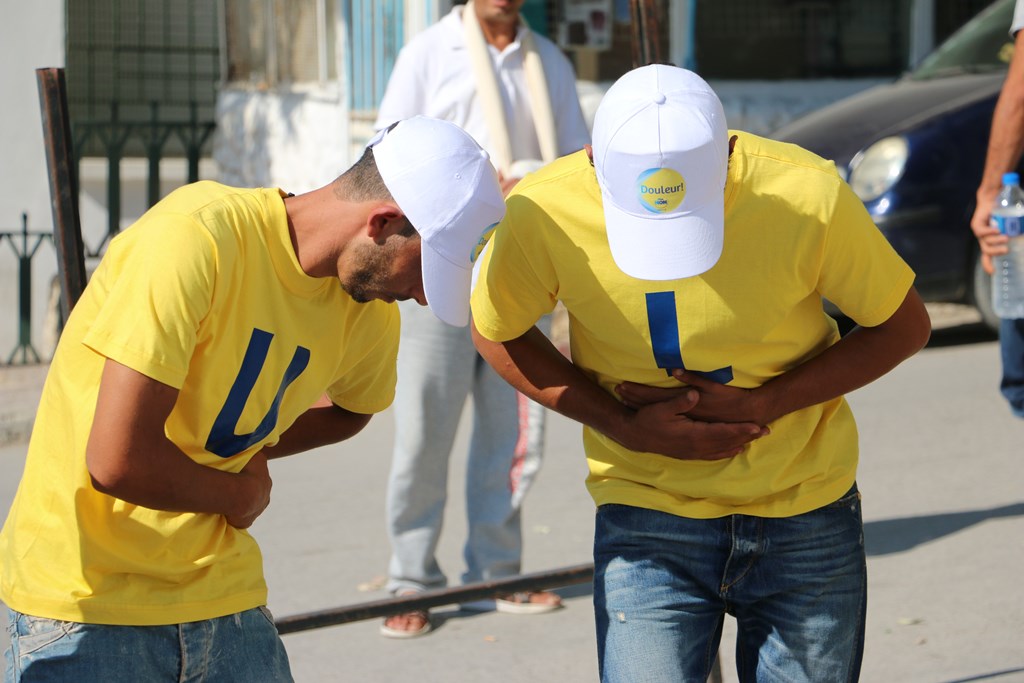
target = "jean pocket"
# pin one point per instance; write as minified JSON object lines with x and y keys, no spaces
{"x":36,"y":633}
{"x":265,"y":611}
{"x":851,"y":499}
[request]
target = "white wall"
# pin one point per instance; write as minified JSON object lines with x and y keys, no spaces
{"x":30,"y":37}
{"x":295,"y":140}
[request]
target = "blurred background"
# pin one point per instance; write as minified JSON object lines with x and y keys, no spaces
{"x":283,"y":93}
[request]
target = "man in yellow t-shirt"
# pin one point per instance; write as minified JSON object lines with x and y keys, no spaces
{"x":224,"y":328}
{"x":693,"y":261}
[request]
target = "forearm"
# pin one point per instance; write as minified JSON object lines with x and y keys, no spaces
{"x":1005,"y":143}
{"x":323,"y":424}
{"x":538,"y":370}
{"x":128,"y":456}
{"x":164,"y":478}
{"x":859,"y":358}
{"x":1006,"y":140}
{"x":534,"y":366}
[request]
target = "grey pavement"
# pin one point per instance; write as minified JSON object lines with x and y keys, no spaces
{"x":943,"y":484}
{"x":20,"y":386}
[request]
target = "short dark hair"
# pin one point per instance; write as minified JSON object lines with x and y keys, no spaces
{"x":362,"y":182}
{"x":408,"y":230}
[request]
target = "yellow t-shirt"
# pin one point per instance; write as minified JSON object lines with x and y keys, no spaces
{"x":205,"y":294}
{"x":794,"y":233}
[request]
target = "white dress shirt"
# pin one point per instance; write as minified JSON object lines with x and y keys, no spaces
{"x":433,"y":76}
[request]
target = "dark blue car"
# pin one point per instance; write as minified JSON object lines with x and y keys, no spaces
{"x":914,"y":151}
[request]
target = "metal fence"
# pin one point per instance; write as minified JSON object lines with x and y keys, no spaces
{"x":141,"y":82}
{"x":113,"y":136}
{"x":25,"y":244}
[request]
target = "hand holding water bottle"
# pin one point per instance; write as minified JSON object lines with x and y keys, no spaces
{"x":1008,"y":275}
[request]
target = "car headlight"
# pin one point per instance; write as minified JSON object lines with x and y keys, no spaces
{"x":876,"y":169}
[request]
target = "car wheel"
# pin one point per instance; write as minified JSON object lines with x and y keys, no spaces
{"x":981,"y":295}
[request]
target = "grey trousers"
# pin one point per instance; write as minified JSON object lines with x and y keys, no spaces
{"x":438,"y":369}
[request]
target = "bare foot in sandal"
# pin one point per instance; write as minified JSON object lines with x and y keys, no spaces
{"x":528,"y":602}
{"x":525,"y":602}
{"x":406,"y":625}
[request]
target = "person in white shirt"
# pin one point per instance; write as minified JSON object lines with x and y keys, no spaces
{"x":514,"y":91}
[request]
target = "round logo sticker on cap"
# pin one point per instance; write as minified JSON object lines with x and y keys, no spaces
{"x":660,"y":190}
{"x":485,"y":237}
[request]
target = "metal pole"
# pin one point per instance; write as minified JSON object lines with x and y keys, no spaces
{"x":567,"y":576}
{"x":645,"y":38}
{"x":153,"y":147}
{"x":115,"y":150}
{"x":67,"y":229}
{"x":195,"y":144}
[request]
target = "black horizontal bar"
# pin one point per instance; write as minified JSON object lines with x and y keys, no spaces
{"x":483,"y":590}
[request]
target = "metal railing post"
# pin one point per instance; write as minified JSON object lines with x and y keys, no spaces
{"x":25,"y":297}
{"x":193,"y":137}
{"x":67,"y":228}
{"x":25,"y":253}
{"x":154,"y":145}
{"x":645,"y":39}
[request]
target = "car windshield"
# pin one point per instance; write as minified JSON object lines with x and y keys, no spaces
{"x":982,"y":45}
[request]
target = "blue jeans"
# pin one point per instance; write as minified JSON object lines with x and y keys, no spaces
{"x":797,"y":587}
{"x":438,"y":370}
{"x":1011,"y":345}
{"x":241,"y":647}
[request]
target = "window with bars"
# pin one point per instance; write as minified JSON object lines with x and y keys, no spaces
{"x":134,"y":62}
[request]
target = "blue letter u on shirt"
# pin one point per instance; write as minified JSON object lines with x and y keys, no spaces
{"x":223,"y":441}
{"x":664,"y":326}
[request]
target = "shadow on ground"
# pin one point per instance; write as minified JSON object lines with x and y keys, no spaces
{"x":438,"y":617}
{"x":889,"y":536}
{"x":993,"y":676}
{"x":958,"y":335}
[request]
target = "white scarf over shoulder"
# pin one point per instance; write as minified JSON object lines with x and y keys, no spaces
{"x":490,"y":94}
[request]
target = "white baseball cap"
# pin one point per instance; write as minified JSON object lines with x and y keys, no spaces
{"x":444,"y":183}
{"x":661,"y":151}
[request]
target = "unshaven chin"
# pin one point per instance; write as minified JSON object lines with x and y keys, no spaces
{"x":370,"y":276}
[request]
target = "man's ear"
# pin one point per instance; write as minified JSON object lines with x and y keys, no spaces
{"x":384,"y":220}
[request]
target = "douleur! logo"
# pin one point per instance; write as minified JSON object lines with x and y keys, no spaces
{"x":485,"y":237}
{"x":660,"y":190}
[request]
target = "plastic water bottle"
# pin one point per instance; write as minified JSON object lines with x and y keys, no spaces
{"x":1008,"y":278}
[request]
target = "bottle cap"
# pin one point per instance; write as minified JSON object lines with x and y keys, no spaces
{"x":1011,"y":179}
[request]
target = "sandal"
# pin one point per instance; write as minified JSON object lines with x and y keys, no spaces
{"x":531,"y":602}
{"x":418,"y":618}
{"x":420,"y":615}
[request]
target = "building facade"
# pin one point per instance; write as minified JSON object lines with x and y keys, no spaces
{"x":284,"y":92}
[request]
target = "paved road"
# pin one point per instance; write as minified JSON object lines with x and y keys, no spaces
{"x":943,"y":483}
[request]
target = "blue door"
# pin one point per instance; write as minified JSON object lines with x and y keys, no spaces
{"x":375,"y":35}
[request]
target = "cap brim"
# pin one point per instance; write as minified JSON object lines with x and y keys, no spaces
{"x":649,"y":248}
{"x":446,"y":287}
